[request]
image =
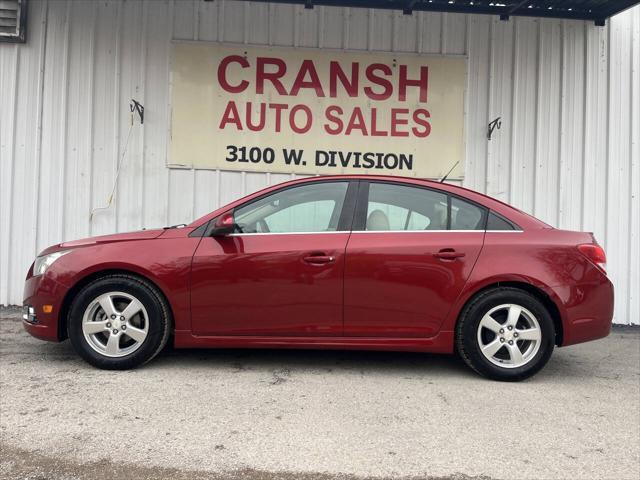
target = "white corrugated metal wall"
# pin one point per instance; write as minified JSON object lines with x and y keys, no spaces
{"x":568,"y":93}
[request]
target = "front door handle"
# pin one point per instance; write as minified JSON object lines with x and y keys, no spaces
{"x":319,"y":259}
{"x":448,"y":254}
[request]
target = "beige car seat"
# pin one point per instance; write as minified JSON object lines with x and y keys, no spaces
{"x":378,"y":220}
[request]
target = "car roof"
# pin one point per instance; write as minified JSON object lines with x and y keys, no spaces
{"x":519,"y":217}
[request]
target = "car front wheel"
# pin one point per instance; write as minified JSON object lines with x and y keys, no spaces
{"x":505,"y":334}
{"x":118,"y":322}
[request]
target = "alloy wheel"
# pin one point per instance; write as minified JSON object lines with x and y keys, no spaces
{"x":115,"y":324}
{"x":509,"y":336}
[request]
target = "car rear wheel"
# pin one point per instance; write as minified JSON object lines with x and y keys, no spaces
{"x":505,"y":334}
{"x":118,"y":322}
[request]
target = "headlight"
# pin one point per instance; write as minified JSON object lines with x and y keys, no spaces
{"x":44,"y":262}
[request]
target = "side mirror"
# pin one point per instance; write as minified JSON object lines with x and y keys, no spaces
{"x":224,"y":225}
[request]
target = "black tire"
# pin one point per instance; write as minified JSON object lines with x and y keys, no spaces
{"x":159,"y":321}
{"x":468,"y":345}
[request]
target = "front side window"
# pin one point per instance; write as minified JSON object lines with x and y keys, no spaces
{"x":306,"y":208}
{"x":398,"y":207}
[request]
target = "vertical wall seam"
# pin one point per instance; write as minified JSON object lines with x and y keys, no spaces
{"x":561,"y":135}
{"x":490,"y":105}
{"x":632,"y":89}
{"x":512,"y":120}
{"x":38,"y":172}
{"x":536,"y":122}
{"x":143,"y":92}
{"x":585,"y":99}
{"x":12,"y":173}
{"x":117,"y":107}
{"x":64,"y":122}
{"x":91,"y":112}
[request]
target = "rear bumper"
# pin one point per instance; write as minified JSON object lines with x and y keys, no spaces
{"x":38,"y":292}
{"x":587,"y":310}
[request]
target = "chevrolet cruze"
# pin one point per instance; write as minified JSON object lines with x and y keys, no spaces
{"x":343,"y":262}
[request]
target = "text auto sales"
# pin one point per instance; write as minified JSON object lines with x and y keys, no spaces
{"x":375,"y":81}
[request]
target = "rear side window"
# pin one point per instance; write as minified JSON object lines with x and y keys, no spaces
{"x":396,"y":207}
{"x":466,"y":216}
{"x":495,"y":222}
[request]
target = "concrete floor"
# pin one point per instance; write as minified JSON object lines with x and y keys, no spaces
{"x":316,"y":415}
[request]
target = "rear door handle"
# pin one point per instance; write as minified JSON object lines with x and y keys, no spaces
{"x":319,"y":259}
{"x":448,"y":254}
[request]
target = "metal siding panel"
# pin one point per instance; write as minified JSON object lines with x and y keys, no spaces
{"x":181,"y":208}
{"x":619,"y":162}
{"x":333,"y":27}
{"x":105,"y":127}
{"x":595,"y":133}
{"x":156,"y":120}
{"x":54,"y":121}
{"x":185,"y":19}
{"x":257,"y":27}
{"x":454,"y":33}
{"x":381,"y":30}
{"x":282,"y":21}
{"x":405,"y":32}
{"x":500,"y":105}
{"x":572,"y":125}
{"x":634,"y":230}
{"x":524,"y":114}
{"x":130,"y":77}
{"x":232,"y":15}
{"x":358,"y":29}
{"x":9,"y":71}
{"x":548,"y":126}
{"x":432,"y":32}
{"x":307,"y":26}
{"x":207,"y":20}
{"x":26,"y":111}
{"x":477,"y":102}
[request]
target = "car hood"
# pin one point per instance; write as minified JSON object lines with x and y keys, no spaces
{"x":116,"y":237}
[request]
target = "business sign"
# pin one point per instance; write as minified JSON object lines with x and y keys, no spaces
{"x":314,"y":111}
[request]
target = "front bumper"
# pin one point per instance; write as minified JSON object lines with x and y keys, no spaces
{"x":43,"y":299}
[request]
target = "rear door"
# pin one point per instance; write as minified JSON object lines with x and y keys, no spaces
{"x":408,"y":258}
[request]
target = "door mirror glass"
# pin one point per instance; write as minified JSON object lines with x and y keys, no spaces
{"x":224,"y":225}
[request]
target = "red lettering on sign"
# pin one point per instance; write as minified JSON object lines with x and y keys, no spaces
{"x":356,"y":122}
{"x":397,"y":121}
{"x":307,"y":68}
{"x":292,"y":119}
{"x":274,"y":77}
{"x":421,"y":83}
{"x":336,"y":73}
{"x":386,"y":85}
{"x":421,"y":116}
{"x":332,"y":113}
{"x":222,"y":73}
{"x":231,"y":115}
{"x":278,"y":107}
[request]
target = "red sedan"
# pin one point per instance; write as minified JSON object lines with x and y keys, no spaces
{"x":343,"y":262}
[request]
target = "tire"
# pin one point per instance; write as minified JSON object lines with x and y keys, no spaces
{"x":118,"y":322}
{"x":491,"y":349}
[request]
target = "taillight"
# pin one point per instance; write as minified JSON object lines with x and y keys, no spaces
{"x":595,"y":253}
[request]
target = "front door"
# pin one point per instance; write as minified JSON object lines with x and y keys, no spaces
{"x":408,"y":258}
{"x":282,"y":273}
